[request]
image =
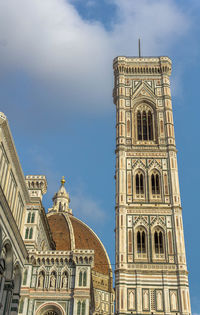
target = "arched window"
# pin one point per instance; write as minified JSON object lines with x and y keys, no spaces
{"x":31,"y":233}
{"x":138,"y":242}
{"x":150,"y":125}
{"x":139,"y":183}
{"x":139,"y":126}
{"x":80,"y":278}
{"x":84,"y":278}
{"x":29,"y":217}
{"x":33,"y":218}
{"x":159,"y":242}
{"x":79,"y":308}
{"x":26,"y":233}
{"x":155,"y":184}
{"x":83,"y":308}
{"x":144,"y":125}
{"x":141,"y":242}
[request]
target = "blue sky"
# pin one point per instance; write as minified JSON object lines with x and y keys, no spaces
{"x":56,"y":89}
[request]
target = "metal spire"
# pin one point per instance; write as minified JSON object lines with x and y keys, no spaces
{"x":139,"y":48}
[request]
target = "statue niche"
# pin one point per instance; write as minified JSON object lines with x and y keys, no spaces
{"x":64,"y":281}
{"x":53,"y":280}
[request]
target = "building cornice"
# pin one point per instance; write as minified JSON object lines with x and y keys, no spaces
{"x":140,"y":66}
{"x":13,"y":153}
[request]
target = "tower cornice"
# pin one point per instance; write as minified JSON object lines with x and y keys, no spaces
{"x":141,"y":66}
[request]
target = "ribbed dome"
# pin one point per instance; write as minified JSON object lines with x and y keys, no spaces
{"x":83,"y":237}
{"x":60,"y":231}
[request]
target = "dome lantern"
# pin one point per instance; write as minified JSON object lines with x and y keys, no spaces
{"x":61,"y":199}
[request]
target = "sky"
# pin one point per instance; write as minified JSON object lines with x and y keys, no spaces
{"x":56,"y":83}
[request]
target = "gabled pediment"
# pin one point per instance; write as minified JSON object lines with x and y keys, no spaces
{"x":143,"y":90}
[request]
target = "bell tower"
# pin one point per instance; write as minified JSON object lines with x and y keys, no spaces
{"x":151,"y":275}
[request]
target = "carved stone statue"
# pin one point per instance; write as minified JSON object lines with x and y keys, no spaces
{"x":64,"y":282}
{"x":53,"y":281}
{"x":41,"y":280}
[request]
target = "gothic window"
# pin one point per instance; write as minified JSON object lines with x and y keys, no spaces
{"x":29,"y":217}
{"x":84,"y":278}
{"x":31,"y":233}
{"x":81,"y":306}
{"x":141,"y":242}
{"x":155,"y":183}
{"x":144,"y":125}
{"x":139,"y":183}
{"x":26,"y":233}
{"x":159,"y":242}
{"x":139,"y":126}
{"x":33,"y":218}
{"x":150,"y":126}
{"x":80,"y":278}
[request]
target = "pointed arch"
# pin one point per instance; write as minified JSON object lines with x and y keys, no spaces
{"x":80,"y":278}
{"x":83,"y":308}
{"x":139,"y":126}
{"x":29,"y":217}
{"x":31,"y":233}
{"x":159,"y":240}
{"x":144,"y":117}
{"x":26,"y":233}
{"x":33,"y":217}
{"x":79,"y":308}
{"x":84,"y":278}
{"x":141,"y":240}
{"x":139,"y":183}
{"x":155,"y":183}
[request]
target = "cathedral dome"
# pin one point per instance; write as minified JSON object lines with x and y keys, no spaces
{"x":70,"y":233}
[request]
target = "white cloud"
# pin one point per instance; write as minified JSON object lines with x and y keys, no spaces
{"x":157,"y":23}
{"x":72,"y":57}
{"x":87,"y":208}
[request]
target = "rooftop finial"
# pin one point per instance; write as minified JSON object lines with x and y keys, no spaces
{"x":139,"y":48}
{"x":63,"y":180}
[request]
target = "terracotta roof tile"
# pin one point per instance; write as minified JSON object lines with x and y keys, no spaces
{"x":60,"y":231}
{"x":85,"y":238}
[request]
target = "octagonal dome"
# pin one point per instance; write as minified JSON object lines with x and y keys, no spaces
{"x":70,"y":233}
